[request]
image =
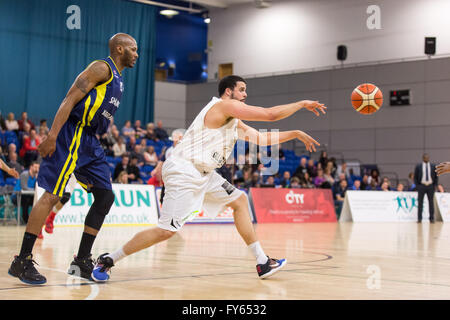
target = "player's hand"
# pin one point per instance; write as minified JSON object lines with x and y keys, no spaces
{"x":442,"y":168}
{"x":47,"y":147}
{"x":313,"y":106}
{"x":308,"y":141}
{"x":13,"y":173}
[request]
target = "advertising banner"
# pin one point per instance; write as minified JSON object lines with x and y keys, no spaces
{"x":134,"y":205}
{"x":293,"y":205}
{"x":383,"y":206}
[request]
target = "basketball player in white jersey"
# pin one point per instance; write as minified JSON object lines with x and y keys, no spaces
{"x":189,"y":175}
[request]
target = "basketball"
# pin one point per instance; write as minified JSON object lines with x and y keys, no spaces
{"x":367,"y":98}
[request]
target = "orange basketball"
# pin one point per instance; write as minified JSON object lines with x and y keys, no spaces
{"x":367,"y":98}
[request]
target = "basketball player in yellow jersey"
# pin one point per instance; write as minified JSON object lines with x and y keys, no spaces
{"x":189,"y":175}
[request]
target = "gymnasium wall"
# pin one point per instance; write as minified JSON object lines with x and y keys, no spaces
{"x":394,"y":137}
{"x":299,"y":34}
{"x":170,"y":104}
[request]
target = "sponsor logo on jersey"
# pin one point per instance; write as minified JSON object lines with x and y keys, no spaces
{"x":114,"y":101}
{"x":107,"y":115}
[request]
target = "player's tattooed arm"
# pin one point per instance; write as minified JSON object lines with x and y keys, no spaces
{"x":97,"y":72}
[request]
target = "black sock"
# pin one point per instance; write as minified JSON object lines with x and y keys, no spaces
{"x":27,"y":244}
{"x":87,"y":241}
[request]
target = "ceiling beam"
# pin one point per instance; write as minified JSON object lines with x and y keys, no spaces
{"x":210,"y":3}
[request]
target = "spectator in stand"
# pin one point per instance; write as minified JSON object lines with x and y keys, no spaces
{"x":12,"y":163}
{"x":43,"y":127}
{"x":138,"y":152}
{"x":286,"y":181}
{"x":339,"y":196}
{"x":23,"y":133}
{"x":121,"y":166}
{"x":323,"y":159}
{"x":295,"y":182}
{"x":328,"y":175}
{"x":119,"y":148}
{"x":113,"y":135}
{"x":28,"y":180}
{"x":24,"y":119}
{"x":373,"y":186}
{"x":319,"y":179}
{"x":150,"y":133}
{"x":306,"y":182}
{"x":311,"y":168}
{"x":150,"y":156}
{"x":301,"y":169}
{"x":342,"y":169}
{"x":356,"y":185}
{"x":270,"y":182}
{"x":122,"y":178}
{"x":140,"y":132}
{"x":386,"y":179}
{"x":255,"y":181}
{"x":384,"y":186}
{"x":374,"y":175}
{"x":11,"y":123}
{"x":43,"y":134}
{"x":12,"y":148}
{"x":154,"y":181}
{"x":411,"y":182}
{"x":440,"y":188}
{"x":131,"y":143}
{"x":365,"y":182}
{"x":29,"y":151}
{"x":127,"y":130}
{"x":134,"y":174}
{"x":400,"y":187}
{"x":161,"y":134}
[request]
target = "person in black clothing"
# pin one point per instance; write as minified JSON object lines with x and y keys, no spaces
{"x":161,"y":134}
{"x":121,"y":166}
{"x":426,"y":180}
{"x":134,"y":174}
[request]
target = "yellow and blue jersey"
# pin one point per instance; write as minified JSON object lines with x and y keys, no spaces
{"x":78,"y":150}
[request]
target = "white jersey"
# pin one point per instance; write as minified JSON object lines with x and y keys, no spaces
{"x":207,"y":148}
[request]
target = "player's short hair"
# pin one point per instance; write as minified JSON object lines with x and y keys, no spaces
{"x":229,"y":82}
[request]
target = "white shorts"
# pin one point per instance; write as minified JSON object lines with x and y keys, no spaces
{"x":187,"y":192}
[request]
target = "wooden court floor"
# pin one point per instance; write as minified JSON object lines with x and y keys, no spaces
{"x":202,"y":262}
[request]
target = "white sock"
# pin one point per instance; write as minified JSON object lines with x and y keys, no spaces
{"x":258,"y":252}
{"x":118,"y":255}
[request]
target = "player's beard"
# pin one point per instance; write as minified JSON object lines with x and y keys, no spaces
{"x":233,"y":97}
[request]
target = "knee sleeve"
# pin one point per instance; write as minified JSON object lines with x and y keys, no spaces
{"x":65,"y":198}
{"x":103,"y":200}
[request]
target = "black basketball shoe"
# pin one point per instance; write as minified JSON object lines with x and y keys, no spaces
{"x":102,"y":267}
{"x":270,"y":267}
{"x":23,"y":268}
{"x":81,"y":267}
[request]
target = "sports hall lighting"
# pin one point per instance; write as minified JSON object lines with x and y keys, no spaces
{"x":169,"y":13}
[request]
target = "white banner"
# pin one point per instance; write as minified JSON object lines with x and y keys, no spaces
{"x":134,"y":205}
{"x":442,"y":207}
{"x":384,"y":206}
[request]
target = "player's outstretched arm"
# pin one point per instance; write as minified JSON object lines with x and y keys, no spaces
{"x":237,"y":109}
{"x":8,"y":170}
{"x":247,"y":133}
{"x":443,"y":168}
{"x":97,"y":72}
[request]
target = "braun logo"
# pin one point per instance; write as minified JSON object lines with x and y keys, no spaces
{"x":292,"y":197}
{"x":107,"y":115}
{"x":114,"y":102}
